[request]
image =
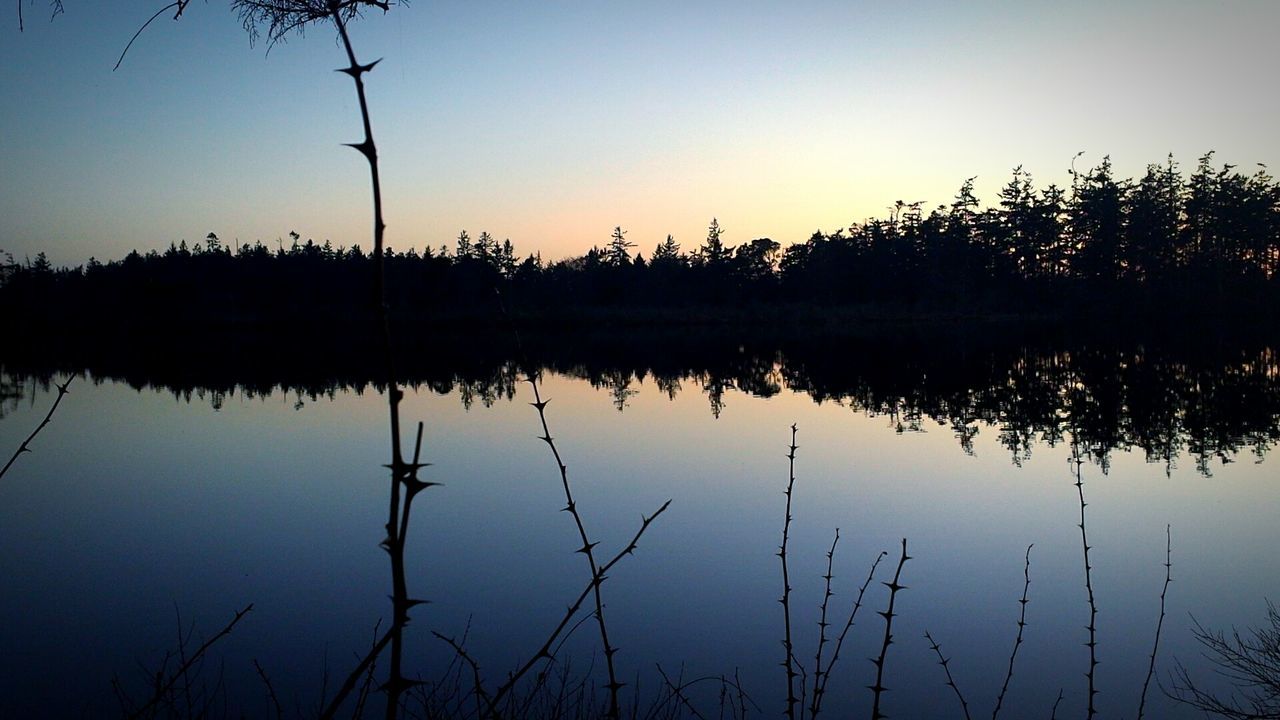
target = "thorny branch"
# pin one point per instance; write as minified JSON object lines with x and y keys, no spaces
{"x":25,"y":446}
{"x":789,"y":661}
{"x":1155,"y":645}
{"x":1017,"y":643}
{"x":945,"y":662}
{"x":544,"y":652}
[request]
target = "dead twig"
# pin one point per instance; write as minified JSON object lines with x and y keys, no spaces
{"x":878,"y":689}
{"x":544,"y":652}
{"x":1017,"y":642}
{"x":789,"y":659}
{"x":587,"y":549}
{"x":1155,"y":645}
{"x":271,"y":690}
{"x":820,"y":689}
{"x":945,"y":662}
{"x":25,"y":446}
{"x":1092,"y":627}
{"x":165,"y":683}
{"x":178,"y":5}
{"x":822,"y":628}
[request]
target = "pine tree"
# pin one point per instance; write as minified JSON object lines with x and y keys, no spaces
{"x":713,"y":252}
{"x":1097,"y":224}
{"x":667,"y":254}
{"x":617,"y":253}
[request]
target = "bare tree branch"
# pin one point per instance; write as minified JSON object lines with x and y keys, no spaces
{"x":280,"y":18}
{"x":56,"y":5}
{"x":179,"y":4}
{"x":24,"y":447}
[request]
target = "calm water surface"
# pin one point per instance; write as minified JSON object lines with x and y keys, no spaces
{"x":140,"y":510}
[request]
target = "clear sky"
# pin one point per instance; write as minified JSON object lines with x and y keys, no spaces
{"x":551,"y":122}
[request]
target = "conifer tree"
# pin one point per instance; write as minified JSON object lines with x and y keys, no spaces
{"x":616,"y":254}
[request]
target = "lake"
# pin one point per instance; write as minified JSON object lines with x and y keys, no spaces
{"x":162,"y":498}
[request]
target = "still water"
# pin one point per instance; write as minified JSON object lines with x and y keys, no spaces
{"x":143,"y":510}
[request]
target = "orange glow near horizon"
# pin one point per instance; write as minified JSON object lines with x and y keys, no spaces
{"x":776,"y":120}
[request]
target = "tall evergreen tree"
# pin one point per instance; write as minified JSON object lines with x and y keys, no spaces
{"x":617,"y":253}
{"x":1152,"y":247}
{"x":667,"y":253}
{"x":713,"y":252}
{"x":1097,"y":224}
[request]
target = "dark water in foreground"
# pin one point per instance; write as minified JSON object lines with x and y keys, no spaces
{"x":152,"y":496}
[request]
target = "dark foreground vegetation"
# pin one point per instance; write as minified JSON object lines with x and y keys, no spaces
{"x":1165,"y":249}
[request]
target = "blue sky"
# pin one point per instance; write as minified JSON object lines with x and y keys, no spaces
{"x":550,"y":123}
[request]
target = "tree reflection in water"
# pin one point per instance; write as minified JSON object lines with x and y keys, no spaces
{"x":1211,"y":406}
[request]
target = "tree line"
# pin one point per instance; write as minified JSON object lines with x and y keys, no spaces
{"x":1164,"y":243}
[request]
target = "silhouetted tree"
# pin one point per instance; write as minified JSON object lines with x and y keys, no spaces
{"x":667,"y":254}
{"x":1159,"y":247}
{"x":485,"y":249}
{"x":1097,"y":224}
{"x":617,"y":253}
{"x":713,"y":253}
{"x":464,"y":245}
{"x":1153,"y":249}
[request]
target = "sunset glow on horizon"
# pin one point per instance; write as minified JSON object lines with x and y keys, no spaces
{"x":551,"y":124}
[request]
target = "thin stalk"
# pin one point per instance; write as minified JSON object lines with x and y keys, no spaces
{"x":598,"y":572}
{"x":349,"y":684}
{"x":404,"y":476}
{"x":1017,"y":643}
{"x":25,"y":447}
{"x":677,"y":690}
{"x":271,"y":690}
{"x":482,"y":697}
{"x":789,"y":661}
{"x":742,"y":695}
{"x":587,"y":549}
{"x":1092,"y":627}
{"x":816,"y":697}
{"x":164,"y":685}
{"x":945,"y":662}
{"x":180,"y":5}
{"x":1155,"y":645}
{"x":544,"y":652}
{"x":878,"y":689}
{"x":821,"y":691}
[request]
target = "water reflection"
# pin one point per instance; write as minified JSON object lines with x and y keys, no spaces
{"x":233,"y":495}
{"x":1209,"y":405}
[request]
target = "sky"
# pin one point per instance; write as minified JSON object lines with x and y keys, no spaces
{"x":550,"y":123}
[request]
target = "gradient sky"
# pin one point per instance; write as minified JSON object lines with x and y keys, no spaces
{"x":550,"y":123}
